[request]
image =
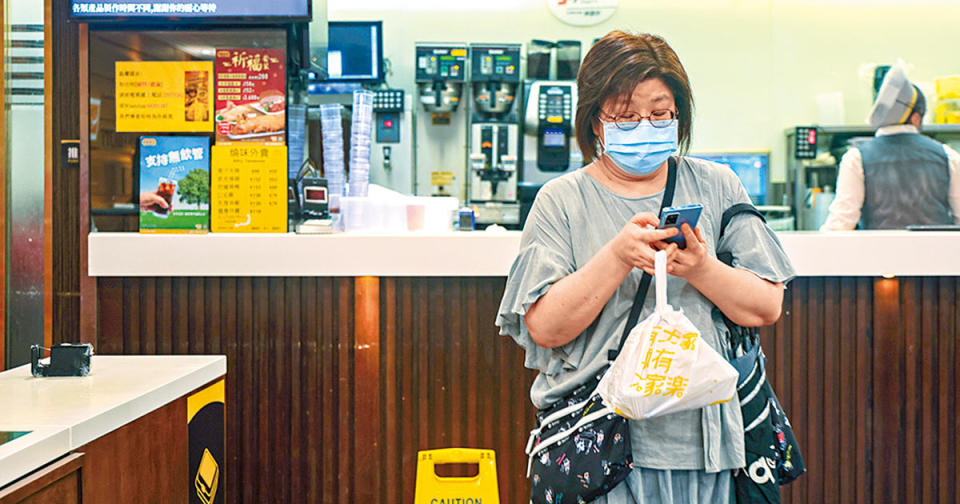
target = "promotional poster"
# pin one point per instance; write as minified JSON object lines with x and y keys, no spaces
{"x":164,"y":96}
{"x":251,"y":103}
{"x":174,"y":184}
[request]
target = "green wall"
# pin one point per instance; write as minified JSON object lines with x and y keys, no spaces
{"x":756,"y":66}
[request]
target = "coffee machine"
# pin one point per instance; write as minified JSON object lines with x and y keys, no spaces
{"x":494,"y":133}
{"x":550,"y":103}
{"x":440,"y":75}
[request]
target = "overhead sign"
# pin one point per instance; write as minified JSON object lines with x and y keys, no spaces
{"x":582,"y":12}
{"x":164,"y":96}
{"x":195,"y":9}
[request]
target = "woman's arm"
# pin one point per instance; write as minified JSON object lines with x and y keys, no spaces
{"x":742,"y":296}
{"x":573,"y":302}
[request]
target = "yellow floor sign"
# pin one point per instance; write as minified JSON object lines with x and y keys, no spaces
{"x":479,"y":489}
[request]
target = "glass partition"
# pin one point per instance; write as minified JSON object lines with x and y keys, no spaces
{"x":24,"y":149}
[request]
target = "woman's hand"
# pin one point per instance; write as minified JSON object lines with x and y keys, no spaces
{"x":757,"y":301}
{"x":634,"y":245}
{"x":688,"y":262}
{"x":574,"y":302}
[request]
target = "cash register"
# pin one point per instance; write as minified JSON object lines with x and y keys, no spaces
{"x":314,"y":199}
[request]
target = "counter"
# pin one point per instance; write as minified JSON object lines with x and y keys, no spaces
{"x":349,"y":353}
{"x":855,"y":253}
{"x":65,"y":414}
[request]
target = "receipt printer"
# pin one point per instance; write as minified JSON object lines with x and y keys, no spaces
{"x":66,"y":359}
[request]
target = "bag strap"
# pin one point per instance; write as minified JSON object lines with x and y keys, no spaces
{"x":728,"y":215}
{"x":735,"y":210}
{"x":738,"y":335}
{"x":645,"y":281}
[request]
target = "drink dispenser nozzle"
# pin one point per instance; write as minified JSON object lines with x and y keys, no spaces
{"x":438,"y":92}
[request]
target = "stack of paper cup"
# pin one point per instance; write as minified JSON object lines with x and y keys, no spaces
{"x":296,"y":128}
{"x":332,"y":127}
{"x":361,"y":131}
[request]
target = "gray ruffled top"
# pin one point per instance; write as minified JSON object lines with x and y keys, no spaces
{"x":572,"y":218}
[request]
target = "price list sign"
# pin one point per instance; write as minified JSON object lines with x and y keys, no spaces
{"x":249,"y":189}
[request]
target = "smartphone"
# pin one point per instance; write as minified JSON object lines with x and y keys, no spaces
{"x":675,"y":216}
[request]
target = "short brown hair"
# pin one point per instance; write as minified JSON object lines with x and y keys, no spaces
{"x":612,"y":69}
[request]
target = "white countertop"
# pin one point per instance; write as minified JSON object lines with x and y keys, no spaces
{"x":479,"y":253}
{"x":64,"y":414}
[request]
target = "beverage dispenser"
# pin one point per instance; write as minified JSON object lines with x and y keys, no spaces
{"x":550,"y":104}
{"x":441,"y":72}
{"x":440,"y":75}
{"x":494,"y":133}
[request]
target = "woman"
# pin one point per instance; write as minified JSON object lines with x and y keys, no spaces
{"x":587,"y":241}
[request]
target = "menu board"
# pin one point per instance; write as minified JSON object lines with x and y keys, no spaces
{"x":251,"y":103}
{"x":164,"y":96}
{"x":174,"y":184}
{"x":249,"y":193}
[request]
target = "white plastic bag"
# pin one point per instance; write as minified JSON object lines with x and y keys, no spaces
{"x":664,"y":366}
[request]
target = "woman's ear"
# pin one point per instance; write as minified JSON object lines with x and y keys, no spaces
{"x":597,"y":129}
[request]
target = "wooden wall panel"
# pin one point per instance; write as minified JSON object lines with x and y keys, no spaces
{"x":865,"y":368}
{"x":449,"y":380}
{"x":282,"y":338}
{"x":866,"y":371}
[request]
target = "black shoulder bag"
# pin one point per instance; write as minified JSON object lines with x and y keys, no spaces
{"x":580,"y":449}
{"x":772,"y":452}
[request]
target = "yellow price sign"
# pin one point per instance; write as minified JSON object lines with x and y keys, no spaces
{"x":248,"y":189}
{"x":441,"y":178}
{"x":164,"y":96}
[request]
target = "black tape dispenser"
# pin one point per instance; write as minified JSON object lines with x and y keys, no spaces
{"x":66,"y":359}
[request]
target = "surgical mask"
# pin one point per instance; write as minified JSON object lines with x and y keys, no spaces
{"x":641,"y":150}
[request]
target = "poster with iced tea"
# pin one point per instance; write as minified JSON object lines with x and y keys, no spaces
{"x":174,"y":184}
{"x":164,"y":96}
{"x":251,"y":103}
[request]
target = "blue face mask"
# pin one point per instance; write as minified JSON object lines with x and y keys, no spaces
{"x":641,"y":150}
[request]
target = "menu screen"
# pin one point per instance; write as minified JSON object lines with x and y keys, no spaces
{"x":189,"y":9}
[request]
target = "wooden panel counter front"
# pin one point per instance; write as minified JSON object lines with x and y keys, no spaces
{"x":338,"y":379}
{"x":336,"y":383}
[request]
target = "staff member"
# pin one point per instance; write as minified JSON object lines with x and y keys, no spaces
{"x":900,"y":177}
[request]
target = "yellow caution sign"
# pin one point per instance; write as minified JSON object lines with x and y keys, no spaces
{"x":479,"y":489}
